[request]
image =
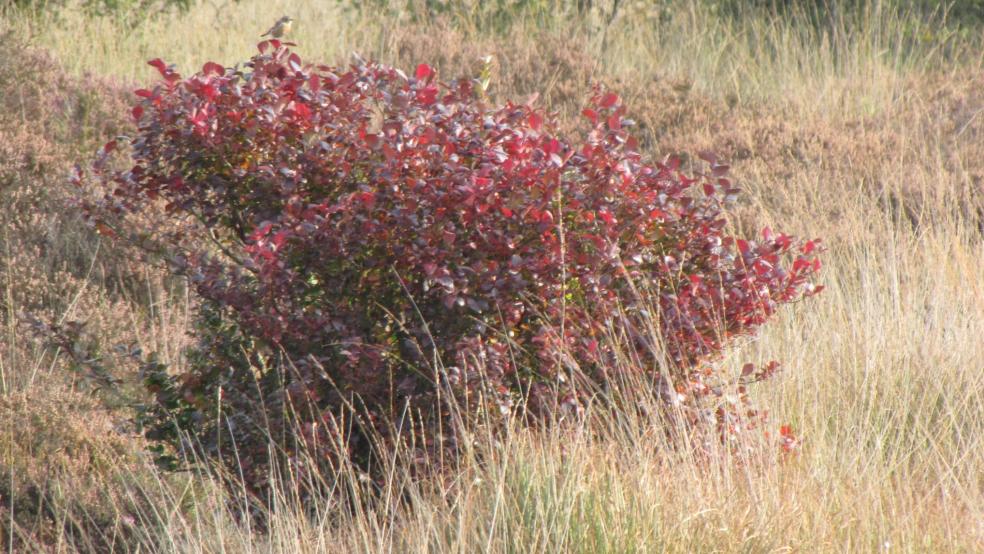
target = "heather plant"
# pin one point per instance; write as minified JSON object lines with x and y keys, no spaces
{"x":381,"y":256}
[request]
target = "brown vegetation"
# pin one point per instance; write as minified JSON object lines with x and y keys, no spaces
{"x":877,"y":151}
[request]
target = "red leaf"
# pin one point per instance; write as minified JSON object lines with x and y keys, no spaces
{"x":609,"y":100}
{"x":212,"y":67}
{"x":427,"y":95}
{"x":788,"y":441}
{"x":295,"y":61}
{"x":279,"y":238}
{"x":159,"y":65}
{"x":536,"y":121}
{"x":261,"y":231}
{"x":302,"y":111}
{"x":137,"y":112}
{"x":389,"y":152}
{"x":423,"y":71}
{"x":105,"y":230}
{"x":143,"y":93}
{"x":590,"y":114}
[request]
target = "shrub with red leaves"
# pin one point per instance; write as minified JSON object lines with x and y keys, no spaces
{"x":388,"y":247}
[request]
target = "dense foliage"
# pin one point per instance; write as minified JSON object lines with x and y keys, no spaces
{"x":377,"y":253}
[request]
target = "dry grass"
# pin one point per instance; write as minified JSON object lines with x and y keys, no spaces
{"x":861,"y":136}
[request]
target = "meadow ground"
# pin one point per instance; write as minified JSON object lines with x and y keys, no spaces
{"x":865,"y":129}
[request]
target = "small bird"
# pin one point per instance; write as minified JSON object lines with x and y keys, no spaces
{"x":280,"y":28}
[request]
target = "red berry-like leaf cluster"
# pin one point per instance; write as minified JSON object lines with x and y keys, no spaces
{"x":361,"y":237}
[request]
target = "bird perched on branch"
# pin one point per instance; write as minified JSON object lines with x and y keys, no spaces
{"x":280,"y":28}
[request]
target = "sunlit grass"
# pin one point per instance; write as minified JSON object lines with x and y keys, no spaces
{"x":856,"y":63}
{"x":865,"y":132}
{"x":226,"y":32}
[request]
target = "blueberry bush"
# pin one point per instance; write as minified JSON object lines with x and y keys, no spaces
{"x":377,"y":254}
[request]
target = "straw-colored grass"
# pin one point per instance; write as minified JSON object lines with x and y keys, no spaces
{"x":867,"y":133}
